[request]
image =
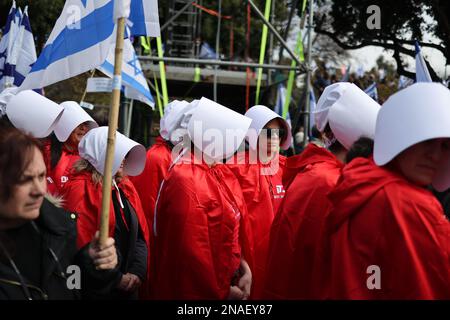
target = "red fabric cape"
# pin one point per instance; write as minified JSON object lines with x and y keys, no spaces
{"x":297,"y":227}
{"x":381,"y":219}
{"x":147,"y":183}
{"x":197,"y":247}
{"x":83,"y":197}
{"x":62,"y":168}
{"x":263,"y":192}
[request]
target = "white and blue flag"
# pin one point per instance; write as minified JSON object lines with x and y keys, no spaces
{"x":133,"y":78}
{"x":206,"y":52}
{"x":422,"y":73}
{"x":6,"y":45}
{"x":403,"y":82}
{"x":82,"y":38}
{"x":24,"y":50}
{"x":281,"y":97}
{"x":372,"y":91}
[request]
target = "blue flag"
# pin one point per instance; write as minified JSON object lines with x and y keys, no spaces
{"x":82,"y":41}
{"x":133,"y":78}
{"x":372,"y":91}
{"x":6,"y":46}
{"x":23,"y":55}
{"x":422,"y":73}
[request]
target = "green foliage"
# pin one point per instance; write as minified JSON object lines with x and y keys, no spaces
{"x":402,"y":22}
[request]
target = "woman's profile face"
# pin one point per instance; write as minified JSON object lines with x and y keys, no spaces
{"x":420,"y":162}
{"x":78,"y":133}
{"x":27,"y":195}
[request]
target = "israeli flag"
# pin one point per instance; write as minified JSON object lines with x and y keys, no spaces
{"x":360,"y":72}
{"x":372,"y":91}
{"x":24,"y":50}
{"x":6,"y":46}
{"x":281,"y":97}
{"x":144,"y":18}
{"x":206,"y":52}
{"x":403,"y":82}
{"x":422,"y":73}
{"x":82,"y":38}
{"x":133,"y":78}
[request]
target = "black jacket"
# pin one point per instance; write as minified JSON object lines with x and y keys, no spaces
{"x":57,"y":230}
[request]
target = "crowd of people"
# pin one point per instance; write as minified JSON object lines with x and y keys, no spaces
{"x":212,"y":211}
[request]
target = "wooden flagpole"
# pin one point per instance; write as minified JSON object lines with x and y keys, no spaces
{"x":112,"y":127}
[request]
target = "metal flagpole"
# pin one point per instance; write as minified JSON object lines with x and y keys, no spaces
{"x":308,"y":75}
{"x":217,"y":48}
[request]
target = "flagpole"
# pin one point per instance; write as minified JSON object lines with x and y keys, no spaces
{"x":85,"y":89}
{"x":112,"y":127}
{"x":308,"y":75}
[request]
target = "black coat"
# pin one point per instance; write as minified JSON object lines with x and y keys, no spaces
{"x":57,"y":230}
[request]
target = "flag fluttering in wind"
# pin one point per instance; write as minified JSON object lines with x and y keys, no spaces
{"x":372,"y":91}
{"x":133,"y":78}
{"x":281,"y":96}
{"x":403,"y":82}
{"x":24,"y":50}
{"x":206,"y":52}
{"x":6,"y":46}
{"x":422,"y":73}
{"x":82,"y":42}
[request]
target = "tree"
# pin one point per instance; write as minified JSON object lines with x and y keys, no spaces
{"x":402,"y":22}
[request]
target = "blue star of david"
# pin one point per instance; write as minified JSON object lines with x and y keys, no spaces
{"x":84,"y":2}
{"x":134,"y":63}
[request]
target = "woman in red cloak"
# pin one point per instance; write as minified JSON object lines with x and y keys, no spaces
{"x":344,"y":113}
{"x":159,"y":156}
{"x":127,"y":225}
{"x":260,"y":174}
{"x":61,"y":149}
{"x":389,"y":238}
{"x":201,"y":246}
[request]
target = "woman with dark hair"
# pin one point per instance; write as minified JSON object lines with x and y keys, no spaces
{"x":37,"y":239}
{"x":127,"y":224}
{"x":343,"y":114}
{"x":389,"y":236}
{"x":363,"y":147}
{"x":259,"y":172}
{"x":61,"y":148}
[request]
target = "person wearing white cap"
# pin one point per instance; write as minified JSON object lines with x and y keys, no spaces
{"x":83,"y":193}
{"x":32,"y":113}
{"x":260,"y":176}
{"x":344,"y":114}
{"x":390,"y":237}
{"x":61,"y":148}
{"x":201,"y":243}
{"x":159,"y":156}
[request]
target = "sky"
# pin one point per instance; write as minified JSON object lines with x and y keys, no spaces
{"x":367,"y":56}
